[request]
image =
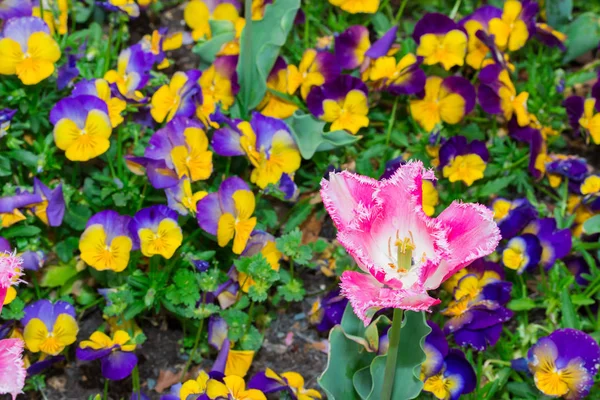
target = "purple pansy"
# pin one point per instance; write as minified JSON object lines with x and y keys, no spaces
{"x":571,"y":357}
{"x":6,"y":116}
{"x":115,"y":354}
{"x":335,"y":90}
{"x":351,"y":46}
{"x":556,"y":243}
{"x":328,"y":311}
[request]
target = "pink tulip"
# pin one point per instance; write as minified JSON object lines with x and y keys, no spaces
{"x":402,"y":252}
{"x":12,"y":371}
{"x":10,"y":271}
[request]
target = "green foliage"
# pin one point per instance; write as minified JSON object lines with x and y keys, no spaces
{"x":185,"y":289}
{"x":592,"y":225}
{"x":259,"y":270}
{"x":222,"y":32}
{"x":291,"y":245}
{"x":292,"y":290}
{"x":558,"y":12}
{"x":237,"y":323}
{"x":13,"y":311}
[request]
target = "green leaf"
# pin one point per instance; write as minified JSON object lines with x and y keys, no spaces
{"x":20,"y":231}
{"x":411,"y":355}
{"x":558,"y":12}
{"x":522,"y":304}
{"x":251,"y":340}
{"x":592,"y":225}
{"x":495,"y":186}
{"x":221,"y":32}
{"x":583,"y":35}
{"x":497,"y":383}
{"x":581,"y":299}
{"x":298,"y":215}
{"x":14,"y":310}
{"x":77,"y":216}
{"x":345,"y":358}
{"x":58,"y":275}
{"x":236,"y":323}
{"x":310,"y":135}
{"x":362,"y":382}
{"x":523,"y":390}
{"x":66,"y":249}
{"x":569,"y":315}
{"x":261,"y":42}
{"x":292,"y":291}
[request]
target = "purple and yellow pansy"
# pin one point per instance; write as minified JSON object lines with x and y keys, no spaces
{"x":563,"y":364}
{"x":440,"y":40}
{"x":584,"y":114}
{"x":555,"y":243}
{"x":49,"y":327}
{"x":463,"y":161}
{"x":28,"y":50}
{"x":101,"y":89}
{"x":515,"y":26}
{"x":477,"y":49}
{"x":446,"y":374}
{"x":351,"y":46}
{"x":132,"y":73}
{"x":219,"y":87}
{"x":342,"y":102}
{"x":106,"y":244}
{"x":399,"y":77}
{"x":315,"y":69}
{"x":266,"y":142}
{"x":182,"y":146}
{"x":512,"y":215}
{"x":82,"y":127}
{"x":157,"y":231}
{"x":522,"y":253}
{"x":178,"y":98}
{"x":498,"y":95}
{"x":326,"y":312}
{"x":182,"y":198}
{"x":227,"y":214}
{"x":116,"y":354}
{"x":273,"y":105}
{"x":445,"y":100}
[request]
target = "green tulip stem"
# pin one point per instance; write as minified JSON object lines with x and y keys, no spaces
{"x":392,"y":355}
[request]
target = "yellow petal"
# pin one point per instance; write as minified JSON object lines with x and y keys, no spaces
{"x":245,"y":203}
{"x":65,"y":330}
{"x":225,"y":229}
{"x":237,"y":366}
{"x":10,"y":56}
{"x":66,"y":132}
{"x":243,"y":229}
{"x":35,"y":334}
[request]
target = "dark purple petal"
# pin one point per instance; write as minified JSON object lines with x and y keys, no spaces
{"x":40,"y":366}
{"x":381,"y":47}
{"x":264,"y":128}
{"x":56,"y":202}
{"x":574,"y":168}
{"x":435,"y":23}
{"x":483,"y":15}
{"x":533,"y":137}
{"x":544,"y":34}
{"x":118,"y":365}
{"x":10,"y":203}
{"x":15,"y":9}
{"x":89,"y":354}
{"x":437,"y":339}
{"x":265,"y":384}
{"x":346,"y":44}
{"x":518,"y":217}
{"x":458,"y":371}
{"x":574,"y":107}
{"x":228,"y":187}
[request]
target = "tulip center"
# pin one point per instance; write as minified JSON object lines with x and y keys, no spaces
{"x":404,"y":249}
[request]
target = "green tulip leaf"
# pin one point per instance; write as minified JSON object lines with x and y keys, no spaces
{"x":346,"y":357}
{"x":411,"y":355}
{"x":310,"y":135}
{"x":583,"y":35}
{"x":261,"y":42}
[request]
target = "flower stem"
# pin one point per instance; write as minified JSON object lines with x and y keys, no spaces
{"x":196,"y":342}
{"x":105,"y":395}
{"x":391,"y":122}
{"x":392,"y":355}
{"x":400,"y":11}
{"x":136,"y":381}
